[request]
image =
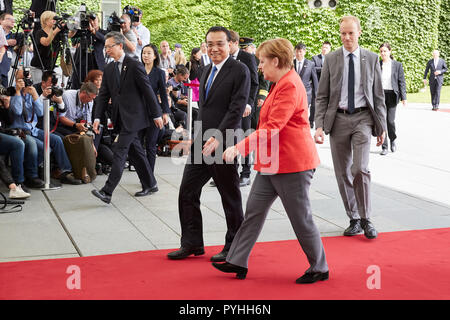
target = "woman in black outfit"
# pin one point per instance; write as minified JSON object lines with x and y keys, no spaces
{"x":394,"y":85}
{"x":150,"y":59}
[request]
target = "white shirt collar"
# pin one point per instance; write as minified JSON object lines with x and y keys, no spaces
{"x":356,"y":53}
{"x":220,"y":65}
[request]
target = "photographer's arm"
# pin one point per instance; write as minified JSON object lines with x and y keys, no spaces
{"x":46,"y":41}
{"x":130,"y":45}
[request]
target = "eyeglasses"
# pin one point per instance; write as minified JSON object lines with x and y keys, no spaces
{"x":110,"y":46}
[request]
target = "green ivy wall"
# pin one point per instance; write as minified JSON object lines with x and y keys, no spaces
{"x":413,"y":27}
{"x":410,"y":26}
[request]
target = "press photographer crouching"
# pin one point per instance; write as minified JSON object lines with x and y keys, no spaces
{"x":25,"y":108}
{"x":22,"y":153}
{"x":48,"y":88}
{"x":179,"y":93}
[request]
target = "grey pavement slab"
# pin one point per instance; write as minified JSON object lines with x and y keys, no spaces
{"x":410,"y":191}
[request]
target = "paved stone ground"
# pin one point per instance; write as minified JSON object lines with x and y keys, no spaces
{"x":410,"y":191}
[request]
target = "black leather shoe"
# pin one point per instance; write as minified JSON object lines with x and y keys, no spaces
{"x":393,"y":146}
{"x":34,"y":183}
{"x":244,"y":181}
{"x":69,"y":178}
{"x":101,"y":195}
{"x":354,"y":228}
{"x":384,"y":152}
{"x":226,"y":267}
{"x":146,"y":192}
{"x":312,"y":277}
{"x":369,"y":230}
{"x":220,"y":257}
{"x":183,"y":253}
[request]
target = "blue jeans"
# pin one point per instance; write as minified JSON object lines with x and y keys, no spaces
{"x":23,"y":154}
{"x":57,"y":147}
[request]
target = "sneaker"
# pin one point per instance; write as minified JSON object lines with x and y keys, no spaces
{"x":18,"y":193}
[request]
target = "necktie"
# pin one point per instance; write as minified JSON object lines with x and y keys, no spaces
{"x":117,"y":72}
{"x":351,"y":84}
{"x":210,"y":80}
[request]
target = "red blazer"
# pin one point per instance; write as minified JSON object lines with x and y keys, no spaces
{"x":283,"y":139}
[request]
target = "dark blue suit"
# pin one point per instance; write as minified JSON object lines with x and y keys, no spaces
{"x":134,"y":106}
{"x":435,"y":81}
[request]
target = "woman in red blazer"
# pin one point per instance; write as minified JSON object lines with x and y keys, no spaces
{"x":286,"y":158}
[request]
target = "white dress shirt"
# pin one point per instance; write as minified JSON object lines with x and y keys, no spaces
{"x":386,"y":72}
{"x":360,"y":100}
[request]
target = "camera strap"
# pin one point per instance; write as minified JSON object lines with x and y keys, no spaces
{"x":25,"y":112}
{"x":5,"y":202}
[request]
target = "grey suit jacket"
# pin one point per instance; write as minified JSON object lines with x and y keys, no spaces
{"x":430,"y":67}
{"x":329,"y":92}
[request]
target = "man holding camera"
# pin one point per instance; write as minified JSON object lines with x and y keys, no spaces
{"x":130,"y":37}
{"x":26,"y":107}
{"x":7,"y":23}
{"x":141,"y":32}
{"x":95,"y":58}
{"x":79,"y":105}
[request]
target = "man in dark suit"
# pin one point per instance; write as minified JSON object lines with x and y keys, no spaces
{"x":224,"y":90}
{"x":318,"y":63}
{"x":306,"y":69}
{"x":134,"y":104}
{"x":249,"y":60}
{"x":350,"y":107}
{"x":437,"y":68}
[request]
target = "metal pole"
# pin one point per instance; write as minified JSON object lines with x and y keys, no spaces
{"x":189,"y":114}
{"x":46,"y":120}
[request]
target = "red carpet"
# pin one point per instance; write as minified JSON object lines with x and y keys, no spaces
{"x":413,"y":265}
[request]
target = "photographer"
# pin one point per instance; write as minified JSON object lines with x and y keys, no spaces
{"x":47,"y":43}
{"x":21,"y":149}
{"x":26,"y":107}
{"x":95,"y":58}
{"x":44,"y":89}
{"x":79,"y":109}
{"x":130,"y":37}
{"x":179,"y":91}
{"x":141,"y":32}
{"x":7,"y":22}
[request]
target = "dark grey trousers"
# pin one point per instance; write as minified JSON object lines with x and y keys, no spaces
{"x":293,"y":190}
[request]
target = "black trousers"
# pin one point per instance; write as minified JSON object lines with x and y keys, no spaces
{"x":245,"y":161}
{"x":390,"y":99}
{"x":435,"y":90}
{"x":129,"y":144}
{"x":195,"y":176}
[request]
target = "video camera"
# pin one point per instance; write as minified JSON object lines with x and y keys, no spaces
{"x":114,"y":22}
{"x":28,"y":20}
{"x":82,"y":19}
{"x":133,"y":12}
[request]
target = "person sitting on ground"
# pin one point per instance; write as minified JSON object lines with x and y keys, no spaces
{"x":26,"y":107}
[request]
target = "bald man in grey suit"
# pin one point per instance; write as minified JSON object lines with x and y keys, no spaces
{"x":350,"y":107}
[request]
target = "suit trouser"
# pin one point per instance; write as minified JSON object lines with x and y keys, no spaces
{"x":195,"y":176}
{"x":245,"y":161}
{"x":293,"y":190}
{"x":312,"y":108}
{"x":391,"y":106}
{"x":350,"y":148}
{"x":129,"y":144}
{"x":435,"y":90}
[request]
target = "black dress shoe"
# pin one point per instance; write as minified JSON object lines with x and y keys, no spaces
{"x":369,"y":230}
{"x":101,"y":195}
{"x":393,"y":146}
{"x":354,"y":228}
{"x":183,"y":253}
{"x":146,"y":192}
{"x":220,"y":257}
{"x":311,"y":277}
{"x":226,"y":267}
{"x":34,"y":183}
{"x":244,"y":181}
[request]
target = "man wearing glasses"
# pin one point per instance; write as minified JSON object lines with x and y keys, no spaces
{"x":134,"y":107}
